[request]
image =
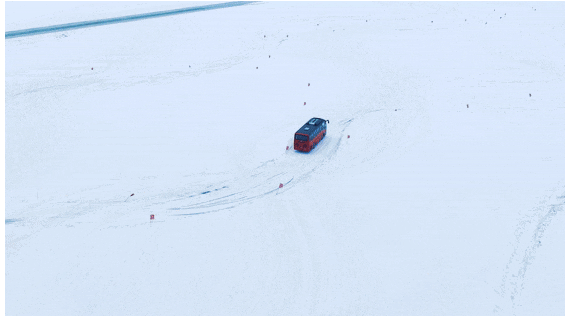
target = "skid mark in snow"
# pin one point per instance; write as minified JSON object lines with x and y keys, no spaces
{"x":290,"y":169}
{"x":528,"y":237}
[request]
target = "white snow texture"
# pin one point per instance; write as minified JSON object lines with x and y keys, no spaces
{"x":447,"y":198}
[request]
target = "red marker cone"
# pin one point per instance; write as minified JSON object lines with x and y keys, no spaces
{"x":287,"y":148}
{"x":348,"y":136}
{"x":280,"y":185}
{"x":305,"y":104}
{"x":151,"y":217}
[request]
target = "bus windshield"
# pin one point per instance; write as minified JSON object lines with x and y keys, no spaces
{"x":301,"y":137}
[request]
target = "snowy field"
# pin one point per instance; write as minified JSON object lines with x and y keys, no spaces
{"x":447,"y":198}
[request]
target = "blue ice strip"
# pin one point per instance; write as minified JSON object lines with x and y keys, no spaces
{"x":92,"y":23}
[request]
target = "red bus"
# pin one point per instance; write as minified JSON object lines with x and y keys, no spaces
{"x":310,"y":134}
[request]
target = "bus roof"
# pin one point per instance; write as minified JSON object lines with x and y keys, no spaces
{"x":310,"y":126}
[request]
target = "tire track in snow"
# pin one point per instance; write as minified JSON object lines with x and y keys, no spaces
{"x":524,"y":254}
{"x":290,"y":169}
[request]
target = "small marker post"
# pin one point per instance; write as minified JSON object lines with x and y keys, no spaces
{"x":151,"y":217}
{"x":280,"y":185}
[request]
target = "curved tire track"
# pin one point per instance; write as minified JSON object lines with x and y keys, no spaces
{"x":291,"y":169}
{"x":524,"y":253}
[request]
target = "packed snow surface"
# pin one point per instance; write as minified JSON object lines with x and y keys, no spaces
{"x":438,"y":190}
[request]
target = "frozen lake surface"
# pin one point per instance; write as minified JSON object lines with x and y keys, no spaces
{"x":438,"y":190}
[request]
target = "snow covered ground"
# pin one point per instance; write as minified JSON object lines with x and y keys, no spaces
{"x":429,"y":208}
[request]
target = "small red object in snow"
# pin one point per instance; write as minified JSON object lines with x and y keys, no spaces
{"x":151,"y":217}
{"x":132,"y":195}
{"x":309,"y":84}
{"x":305,"y":104}
{"x":280,"y":185}
{"x":348,"y":136}
{"x":91,"y":68}
{"x":287,"y":148}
